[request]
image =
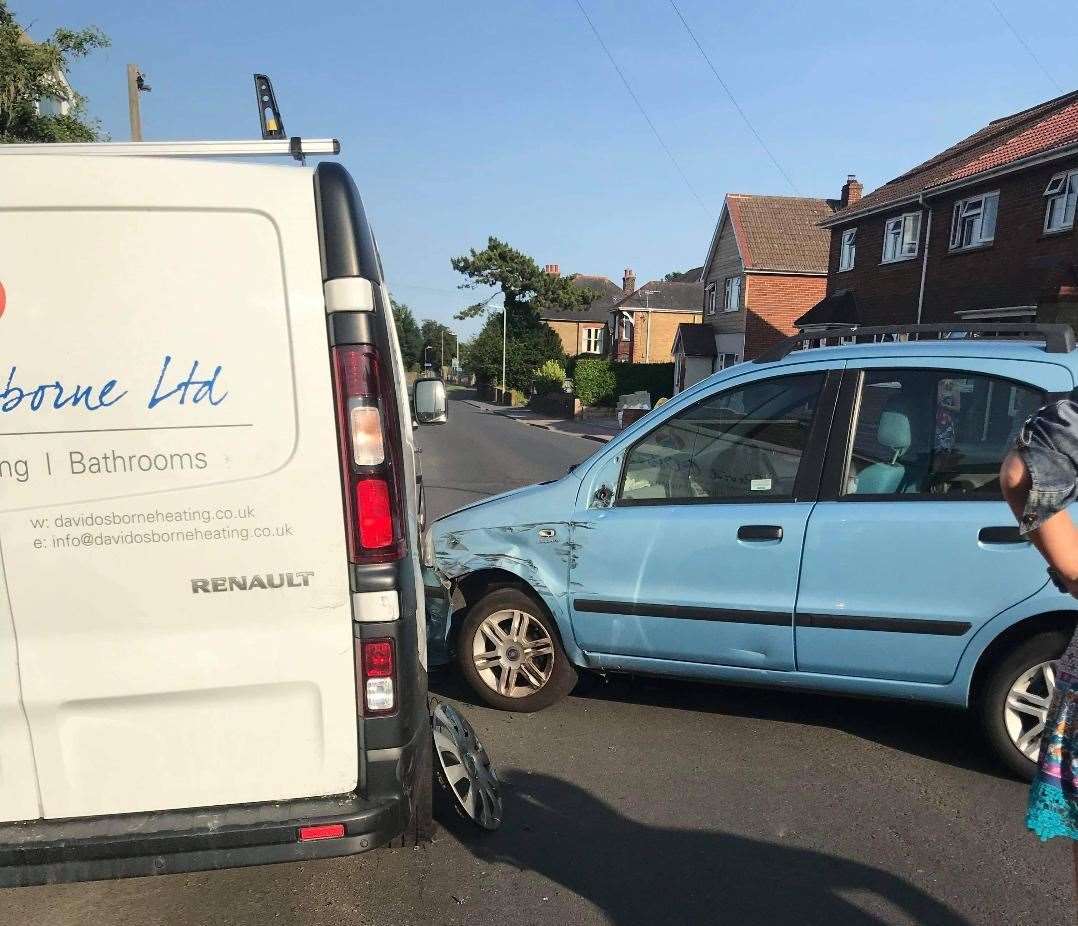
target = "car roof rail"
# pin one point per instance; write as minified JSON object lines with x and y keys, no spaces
{"x":1058,"y":338}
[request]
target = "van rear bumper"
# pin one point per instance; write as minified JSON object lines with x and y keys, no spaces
{"x":134,"y":845}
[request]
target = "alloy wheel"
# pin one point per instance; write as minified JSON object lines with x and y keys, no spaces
{"x":513,"y":653}
{"x":1025,"y":711}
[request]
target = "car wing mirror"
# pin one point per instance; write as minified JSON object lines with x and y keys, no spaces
{"x":430,"y":401}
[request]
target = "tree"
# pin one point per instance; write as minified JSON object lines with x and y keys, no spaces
{"x":34,"y":71}
{"x":408,"y":334}
{"x":527,"y":291}
{"x":438,"y":337}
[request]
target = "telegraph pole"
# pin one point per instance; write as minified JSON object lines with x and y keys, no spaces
{"x":136,"y":84}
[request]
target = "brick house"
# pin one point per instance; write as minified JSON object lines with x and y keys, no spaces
{"x":982,"y":231}
{"x":584,"y":332}
{"x":645,"y":320}
{"x":766,"y":265}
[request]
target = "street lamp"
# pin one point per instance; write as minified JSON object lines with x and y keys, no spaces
{"x":504,"y":325}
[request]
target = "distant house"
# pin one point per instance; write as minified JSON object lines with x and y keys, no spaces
{"x":583,"y":332}
{"x":50,"y":105}
{"x":983,"y":231}
{"x":766,"y":265}
{"x":645,"y":321}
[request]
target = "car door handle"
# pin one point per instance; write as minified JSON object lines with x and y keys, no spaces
{"x":998,"y":535}
{"x":758,"y":532}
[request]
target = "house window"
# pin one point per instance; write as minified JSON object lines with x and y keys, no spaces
{"x":593,"y":340}
{"x":848,"y":249}
{"x":709,"y":299}
{"x":900,"y":237}
{"x":726,"y":360}
{"x":973,"y":223}
{"x":625,"y":327}
{"x":1062,"y":192}
{"x":731,"y":300}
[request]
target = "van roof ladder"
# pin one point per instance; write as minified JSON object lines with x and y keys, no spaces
{"x":289,"y":147}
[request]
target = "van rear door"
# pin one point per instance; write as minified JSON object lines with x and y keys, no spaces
{"x":175,"y":561}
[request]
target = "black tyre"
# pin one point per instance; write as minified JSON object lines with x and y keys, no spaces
{"x":1015,"y":698}
{"x":510,"y":653}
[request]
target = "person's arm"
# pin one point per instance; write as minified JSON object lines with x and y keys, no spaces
{"x":1056,"y":537}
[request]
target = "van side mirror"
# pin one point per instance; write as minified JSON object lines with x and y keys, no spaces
{"x":430,"y":401}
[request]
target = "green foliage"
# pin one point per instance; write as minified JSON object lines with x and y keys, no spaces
{"x":657,"y":379}
{"x":526,"y":293}
{"x":32,"y":71}
{"x":527,"y":349}
{"x":549,"y":377}
{"x":600,"y":382}
{"x":594,"y":381}
{"x":526,"y":289}
{"x":408,"y":334}
{"x":438,"y":337}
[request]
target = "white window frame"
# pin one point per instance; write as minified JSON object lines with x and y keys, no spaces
{"x":847,"y":250}
{"x":709,"y":299}
{"x":1061,"y":188}
{"x":907,"y":241}
{"x":625,"y":326}
{"x":731,"y":287}
{"x":593,"y":341}
{"x":969,"y":215}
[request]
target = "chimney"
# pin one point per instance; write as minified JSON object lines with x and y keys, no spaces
{"x":628,"y":282}
{"x":553,"y":270}
{"x":851,"y":190}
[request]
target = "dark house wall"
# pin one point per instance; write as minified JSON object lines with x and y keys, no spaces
{"x":1015,"y":269}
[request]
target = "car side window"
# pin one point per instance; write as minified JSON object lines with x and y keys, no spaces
{"x":742,"y":444}
{"x":933,"y":433}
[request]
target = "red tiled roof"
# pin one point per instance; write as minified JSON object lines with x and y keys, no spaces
{"x":1049,"y":125}
{"x":781,"y":233}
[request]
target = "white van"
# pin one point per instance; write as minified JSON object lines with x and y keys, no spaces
{"x":210,"y":654}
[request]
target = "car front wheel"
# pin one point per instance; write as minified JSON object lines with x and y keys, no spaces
{"x":1016,"y":698}
{"x":510,"y":653}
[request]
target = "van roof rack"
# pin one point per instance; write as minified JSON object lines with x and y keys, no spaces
{"x":1058,"y":339}
{"x":295,"y":147}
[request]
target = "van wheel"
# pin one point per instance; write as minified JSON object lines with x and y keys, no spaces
{"x":1015,"y":700}
{"x":510,"y":654}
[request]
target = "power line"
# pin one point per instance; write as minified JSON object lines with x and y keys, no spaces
{"x":643,"y":112}
{"x":733,"y":99}
{"x":1025,"y":45}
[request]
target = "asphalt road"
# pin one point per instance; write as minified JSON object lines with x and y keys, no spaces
{"x":641,"y":802}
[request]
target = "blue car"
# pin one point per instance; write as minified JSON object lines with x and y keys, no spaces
{"x":826,"y":519}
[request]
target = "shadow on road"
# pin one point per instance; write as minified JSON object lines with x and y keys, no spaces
{"x":637,"y":873}
{"x":941,"y":734}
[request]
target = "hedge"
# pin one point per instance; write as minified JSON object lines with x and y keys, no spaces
{"x":600,"y":382}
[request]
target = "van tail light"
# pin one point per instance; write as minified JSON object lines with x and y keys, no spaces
{"x":378,"y":671}
{"x":368,"y":431}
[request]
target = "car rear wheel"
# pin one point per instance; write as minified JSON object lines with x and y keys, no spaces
{"x":1016,"y":698}
{"x":510,"y":653}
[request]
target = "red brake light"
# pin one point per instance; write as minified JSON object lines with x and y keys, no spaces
{"x":368,"y":431}
{"x":379,"y":667}
{"x":375,"y":514}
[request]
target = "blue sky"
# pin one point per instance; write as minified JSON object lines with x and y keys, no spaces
{"x":465,"y":119}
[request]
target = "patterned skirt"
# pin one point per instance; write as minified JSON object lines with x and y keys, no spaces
{"x":1053,"y":797}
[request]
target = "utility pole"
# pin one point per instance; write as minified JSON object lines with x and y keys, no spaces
{"x":136,"y":84}
{"x":441,"y":354}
